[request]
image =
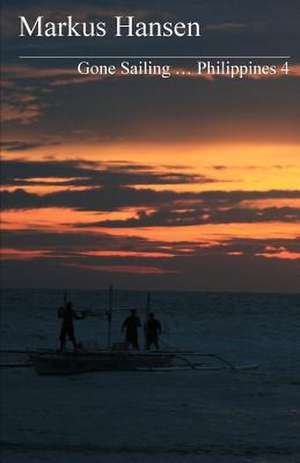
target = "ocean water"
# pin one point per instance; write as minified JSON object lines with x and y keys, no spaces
{"x":171,"y":416}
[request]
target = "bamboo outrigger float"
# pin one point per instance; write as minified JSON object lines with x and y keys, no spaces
{"x":106,"y":360}
{"x":49,"y":362}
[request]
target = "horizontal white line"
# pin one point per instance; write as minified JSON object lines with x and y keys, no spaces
{"x":151,"y":56}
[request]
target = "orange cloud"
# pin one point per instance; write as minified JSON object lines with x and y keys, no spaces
{"x":265,"y":203}
{"x":23,"y":114}
{"x":43,"y":189}
{"x":123,"y":269}
{"x":22,"y":254}
{"x":215,"y":232}
{"x":286,"y":255}
{"x":150,"y":255}
{"x":58,"y":218}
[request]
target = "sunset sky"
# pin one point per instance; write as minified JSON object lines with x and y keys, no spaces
{"x":151,"y":183}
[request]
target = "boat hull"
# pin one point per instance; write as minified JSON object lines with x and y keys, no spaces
{"x":74,"y":363}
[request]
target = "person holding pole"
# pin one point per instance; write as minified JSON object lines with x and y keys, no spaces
{"x":131,"y":325}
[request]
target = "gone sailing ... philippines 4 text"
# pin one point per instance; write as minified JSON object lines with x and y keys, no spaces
{"x":200,"y":68}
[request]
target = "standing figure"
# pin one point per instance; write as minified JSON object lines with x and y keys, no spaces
{"x":68,"y":314}
{"x":131,"y":324}
{"x":152,"y":332}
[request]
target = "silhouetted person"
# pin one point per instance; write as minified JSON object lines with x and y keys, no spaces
{"x":131,"y":324}
{"x":152,"y":332}
{"x":68,"y":314}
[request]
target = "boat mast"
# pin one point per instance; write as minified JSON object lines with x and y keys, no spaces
{"x":147,"y":311}
{"x":148,"y":304}
{"x":109,"y":315}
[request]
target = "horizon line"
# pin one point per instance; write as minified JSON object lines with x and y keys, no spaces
{"x":166,"y":290}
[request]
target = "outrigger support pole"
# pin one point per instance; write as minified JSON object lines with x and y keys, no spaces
{"x":109,"y":315}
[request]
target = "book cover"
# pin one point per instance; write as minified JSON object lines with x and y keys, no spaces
{"x":150,"y":252}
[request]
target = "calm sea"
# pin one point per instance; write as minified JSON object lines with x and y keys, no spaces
{"x":177,"y":416}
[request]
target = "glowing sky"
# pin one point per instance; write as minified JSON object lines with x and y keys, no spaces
{"x":186,"y":183}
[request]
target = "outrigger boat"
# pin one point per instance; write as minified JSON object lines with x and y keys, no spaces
{"x":116,"y":357}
